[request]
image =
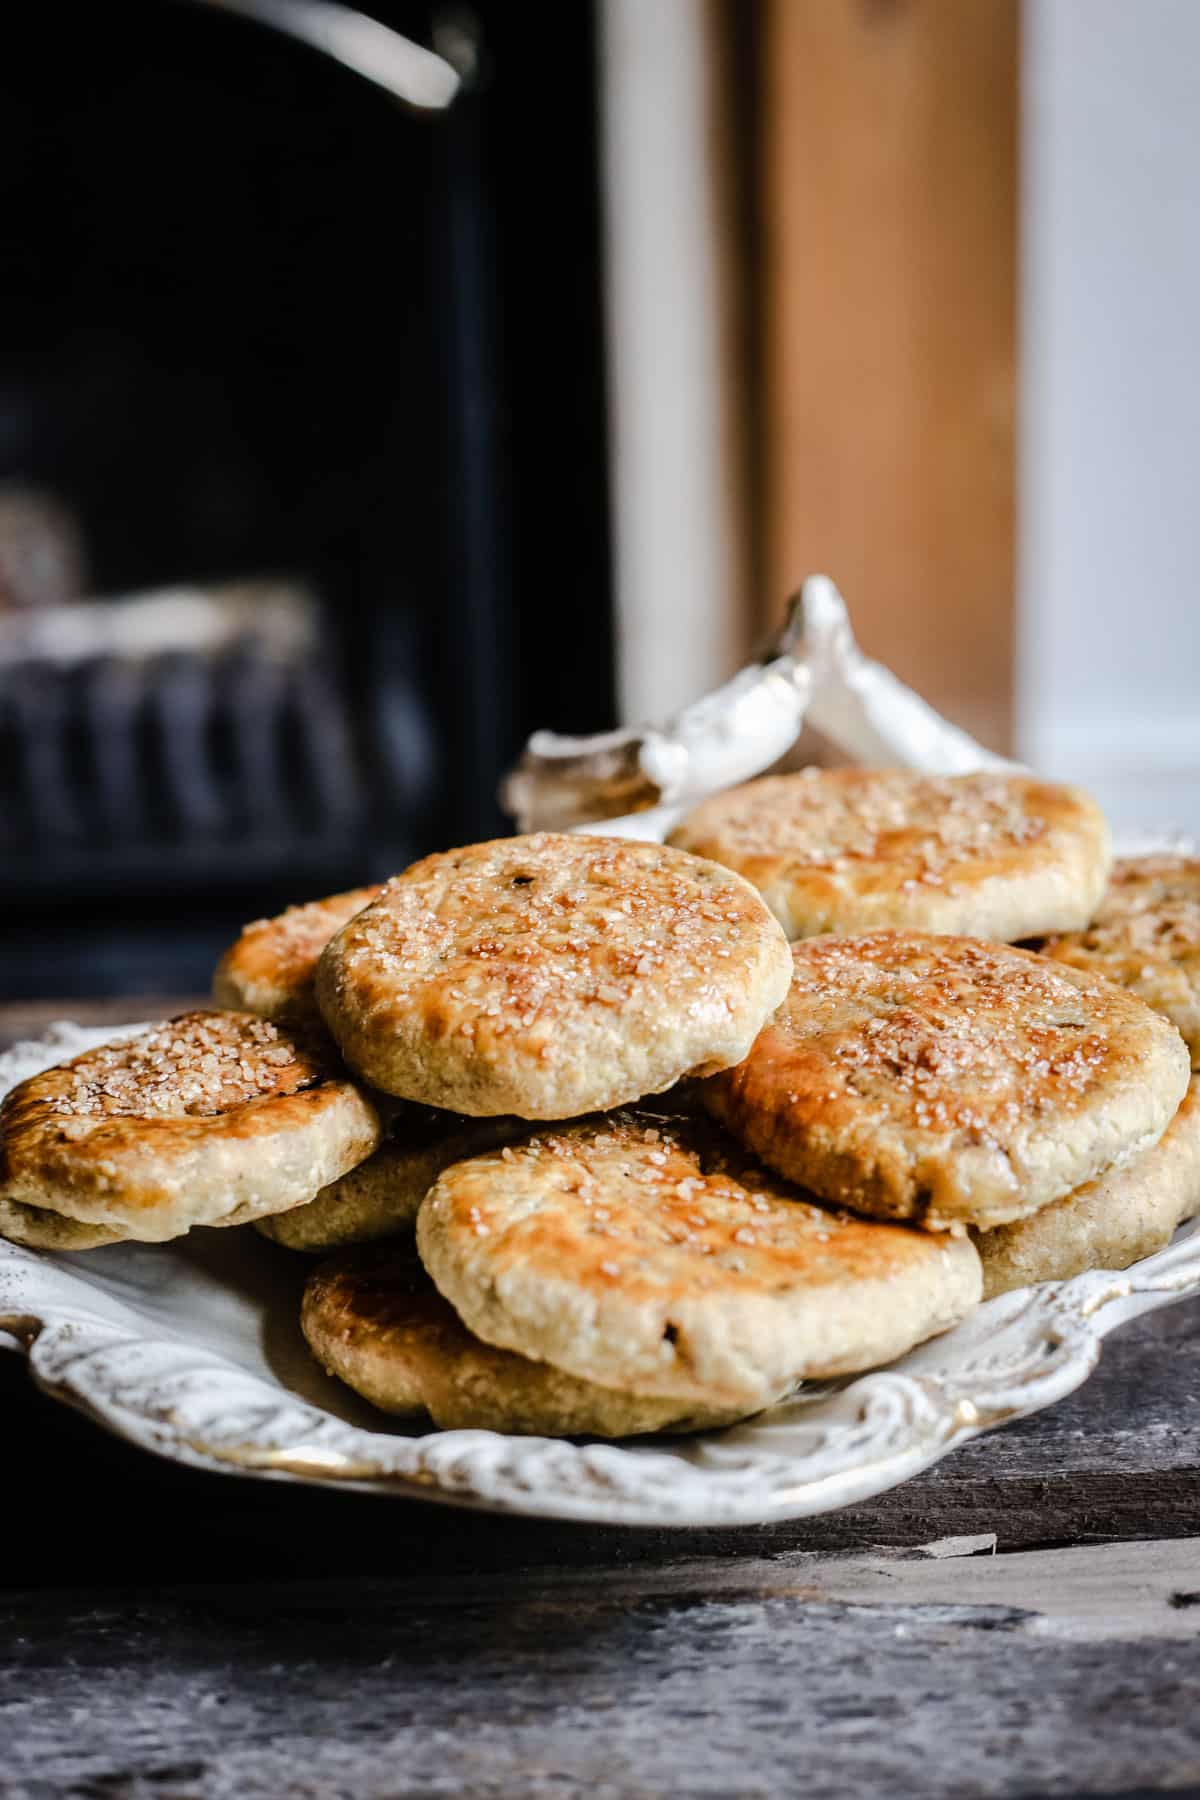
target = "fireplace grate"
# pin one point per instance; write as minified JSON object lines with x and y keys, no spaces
{"x":173,"y":738}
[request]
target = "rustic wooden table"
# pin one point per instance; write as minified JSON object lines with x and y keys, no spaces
{"x":1024,"y":1619}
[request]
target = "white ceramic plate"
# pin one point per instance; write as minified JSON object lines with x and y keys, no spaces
{"x":193,"y":1350}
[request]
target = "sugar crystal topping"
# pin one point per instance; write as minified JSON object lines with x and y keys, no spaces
{"x":199,"y":1065}
{"x":674,"y":1203}
{"x":1151,"y":910}
{"x":292,"y":941}
{"x":949,"y":1032}
{"x":838,"y":820}
{"x":527,"y":930}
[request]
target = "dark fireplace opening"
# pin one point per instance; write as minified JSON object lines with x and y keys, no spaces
{"x":303,"y":494}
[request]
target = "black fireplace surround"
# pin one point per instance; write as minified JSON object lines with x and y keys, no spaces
{"x":261,"y":326}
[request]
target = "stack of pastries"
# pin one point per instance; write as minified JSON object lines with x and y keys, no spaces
{"x":610,"y":1137}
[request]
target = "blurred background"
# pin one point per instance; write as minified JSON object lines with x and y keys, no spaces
{"x":345,"y":440}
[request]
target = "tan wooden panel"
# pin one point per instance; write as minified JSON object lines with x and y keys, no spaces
{"x":890,"y":175}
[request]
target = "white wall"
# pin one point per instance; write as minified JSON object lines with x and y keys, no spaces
{"x":1109,"y":619}
{"x":681,"y":612}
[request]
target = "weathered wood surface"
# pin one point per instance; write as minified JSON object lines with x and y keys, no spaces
{"x":1054,"y":1671}
{"x":166,"y":1635}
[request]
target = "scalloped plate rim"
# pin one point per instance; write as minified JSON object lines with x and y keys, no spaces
{"x":864,"y":1436}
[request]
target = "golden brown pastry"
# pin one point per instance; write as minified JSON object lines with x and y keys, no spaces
{"x":948,"y":1080}
{"x":995,"y":855}
{"x":551,"y":976}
